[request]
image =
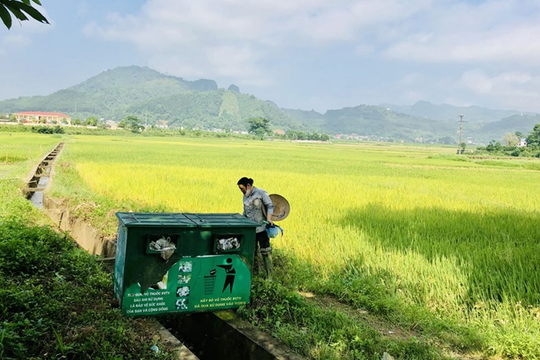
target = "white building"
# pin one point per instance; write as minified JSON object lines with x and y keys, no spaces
{"x":522,"y":142}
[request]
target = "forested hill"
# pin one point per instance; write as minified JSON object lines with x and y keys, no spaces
{"x":376,"y":122}
{"x":422,"y":121}
{"x":445,"y":112}
{"x":142,"y":77}
{"x":151,"y":96}
{"x":523,"y":123}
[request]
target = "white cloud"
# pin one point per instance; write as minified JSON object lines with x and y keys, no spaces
{"x":493,"y":31}
{"x":480,"y":83}
{"x":233,"y":38}
{"x":477,"y":81}
{"x":518,"y":90}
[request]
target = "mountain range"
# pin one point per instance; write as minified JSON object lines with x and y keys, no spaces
{"x":152,"y":96}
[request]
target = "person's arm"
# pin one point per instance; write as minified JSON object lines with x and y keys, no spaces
{"x":269,"y":207}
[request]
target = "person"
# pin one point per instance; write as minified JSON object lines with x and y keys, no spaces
{"x":254,"y":200}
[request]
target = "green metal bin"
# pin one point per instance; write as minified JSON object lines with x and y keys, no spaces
{"x":182,"y":263}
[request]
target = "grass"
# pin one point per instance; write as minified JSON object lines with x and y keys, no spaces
{"x":416,"y":235}
{"x":56,"y":302}
{"x":55,"y":299}
{"x":19,"y":151}
{"x":325,"y":332}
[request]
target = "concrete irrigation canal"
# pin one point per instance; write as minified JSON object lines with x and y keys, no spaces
{"x":209,"y":335}
{"x":40,"y":177}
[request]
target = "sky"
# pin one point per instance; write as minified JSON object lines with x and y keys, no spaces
{"x":300,"y":54}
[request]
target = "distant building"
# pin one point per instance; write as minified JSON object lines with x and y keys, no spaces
{"x":522,"y":142}
{"x":111,"y":124}
{"x":42,"y":117}
{"x":162,"y":124}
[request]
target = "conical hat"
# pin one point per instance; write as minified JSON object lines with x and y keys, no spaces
{"x":281,"y":207}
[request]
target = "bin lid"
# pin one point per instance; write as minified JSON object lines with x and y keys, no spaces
{"x":221,"y":220}
{"x":130,"y":219}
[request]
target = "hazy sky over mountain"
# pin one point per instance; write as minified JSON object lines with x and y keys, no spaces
{"x":306,"y":54}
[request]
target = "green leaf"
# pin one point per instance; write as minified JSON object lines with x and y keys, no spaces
{"x":14,"y":7}
{"x":34,"y":13}
{"x":19,"y":8}
{"x":5,"y":16}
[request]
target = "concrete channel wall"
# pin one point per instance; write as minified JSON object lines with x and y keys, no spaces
{"x":221,"y":335}
{"x":85,"y":234}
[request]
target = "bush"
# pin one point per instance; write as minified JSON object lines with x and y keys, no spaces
{"x":48,"y":129}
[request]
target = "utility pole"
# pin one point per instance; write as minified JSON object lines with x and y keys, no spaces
{"x":460,"y":150}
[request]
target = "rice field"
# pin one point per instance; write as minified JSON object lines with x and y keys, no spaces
{"x":23,"y":149}
{"x":454,"y":237}
{"x":19,"y":153}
